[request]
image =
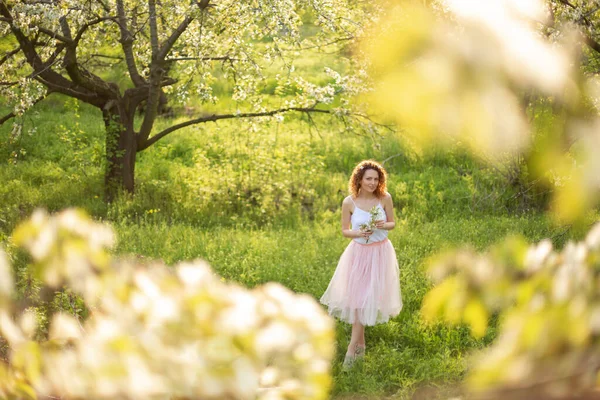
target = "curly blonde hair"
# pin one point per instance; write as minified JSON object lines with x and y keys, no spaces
{"x":359,"y":172}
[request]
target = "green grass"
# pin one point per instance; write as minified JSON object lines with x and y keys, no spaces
{"x":402,"y":354}
{"x":264,"y":206}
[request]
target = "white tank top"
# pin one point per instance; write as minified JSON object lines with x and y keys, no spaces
{"x":360,"y":217}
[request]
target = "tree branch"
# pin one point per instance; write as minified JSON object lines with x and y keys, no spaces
{"x":104,"y":5}
{"x":216,"y":117}
{"x":86,"y":26}
{"x":54,"y":81}
{"x":72,"y":90}
{"x":35,"y":74}
{"x":127,"y":45}
{"x":7,"y":117}
{"x":224,"y":58}
{"x":153,"y":29}
{"x":593,"y":11}
{"x":170,"y":42}
{"x":106,"y":56}
{"x":9,"y":55}
{"x":51,"y":2}
{"x":12,"y":114}
{"x":55,"y":35}
{"x":318,"y":46}
{"x":151,"y":108}
{"x":589,"y":41}
{"x":77,"y":73}
{"x":568,"y":3}
{"x":158,"y":70}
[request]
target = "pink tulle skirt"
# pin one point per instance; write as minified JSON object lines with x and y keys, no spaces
{"x":365,"y":286}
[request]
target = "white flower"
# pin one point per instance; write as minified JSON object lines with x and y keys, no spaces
{"x":64,"y":326}
{"x":277,"y":336}
{"x":537,"y":255}
{"x":194,"y":274}
{"x":6,"y":278}
{"x":593,"y":237}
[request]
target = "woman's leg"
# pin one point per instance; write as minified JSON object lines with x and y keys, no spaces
{"x":357,"y":339}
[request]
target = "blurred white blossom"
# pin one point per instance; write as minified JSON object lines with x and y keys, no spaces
{"x":548,"y":306}
{"x":157,"y":332}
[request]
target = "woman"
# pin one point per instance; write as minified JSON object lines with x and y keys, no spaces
{"x":365,"y":288}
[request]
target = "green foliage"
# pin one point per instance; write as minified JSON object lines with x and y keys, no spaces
{"x":275,"y":173}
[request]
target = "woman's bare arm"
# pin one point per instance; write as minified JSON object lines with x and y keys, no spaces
{"x":388,"y":206}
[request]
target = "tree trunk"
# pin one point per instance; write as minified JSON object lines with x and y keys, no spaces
{"x":121,"y":149}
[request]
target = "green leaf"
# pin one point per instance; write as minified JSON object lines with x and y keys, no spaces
{"x":476,"y":315}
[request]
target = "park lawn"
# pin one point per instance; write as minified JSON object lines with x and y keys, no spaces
{"x":403,"y":355}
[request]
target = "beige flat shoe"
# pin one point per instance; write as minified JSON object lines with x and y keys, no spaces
{"x":359,"y":352}
{"x":348,"y":361}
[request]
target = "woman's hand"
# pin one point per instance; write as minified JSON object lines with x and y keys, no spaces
{"x":364,"y":234}
{"x":380,"y":224}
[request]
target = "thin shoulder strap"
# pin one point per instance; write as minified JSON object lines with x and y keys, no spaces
{"x":354,"y":204}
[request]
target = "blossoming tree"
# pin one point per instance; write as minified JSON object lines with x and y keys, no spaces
{"x":586,"y":16}
{"x":170,"y":48}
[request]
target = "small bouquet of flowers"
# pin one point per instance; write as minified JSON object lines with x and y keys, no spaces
{"x":372,"y":224}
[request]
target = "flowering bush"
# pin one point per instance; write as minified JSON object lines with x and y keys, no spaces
{"x":155,"y":331}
